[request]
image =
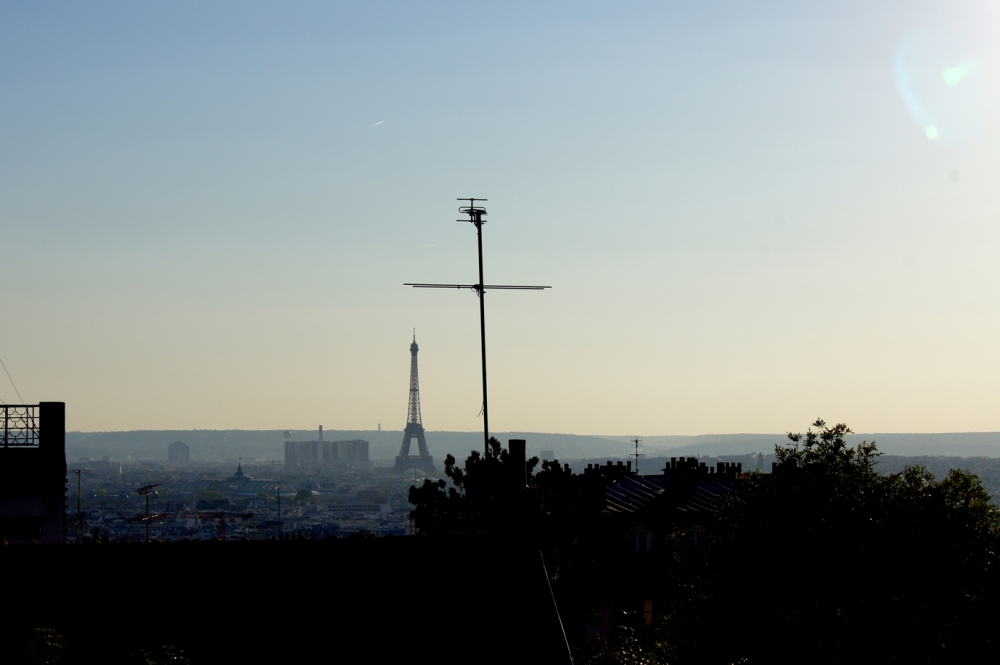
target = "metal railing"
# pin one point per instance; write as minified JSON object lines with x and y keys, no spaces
{"x":20,"y":425}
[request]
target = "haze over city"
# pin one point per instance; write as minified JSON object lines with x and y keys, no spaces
{"x":209,"y":212}
{"x":580,"y":333}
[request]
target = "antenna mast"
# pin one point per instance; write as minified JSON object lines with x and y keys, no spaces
{"x":146,"y":491}
{"x":636,"y":442}
{"x":476,"y":214}
{"x":79,"y":515}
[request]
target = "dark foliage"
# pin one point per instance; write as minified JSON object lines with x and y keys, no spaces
{"x":484,"y":495}
{"x":828,"y":561}
{"x":38,"y":645}
{"x":47,"y":646}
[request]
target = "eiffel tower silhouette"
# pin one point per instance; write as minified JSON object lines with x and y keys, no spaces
{"x":414,"y":428}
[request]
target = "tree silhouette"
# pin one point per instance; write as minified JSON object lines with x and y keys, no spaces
{"x":482,"y":495}
{"x":829,"y":561}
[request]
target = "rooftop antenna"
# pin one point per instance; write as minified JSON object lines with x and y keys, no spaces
{"x":278,"y":488}
{"x":636,"y":442}
{"x":146,"y":491}
{"x":78,"y":519}
{"x":476,"y":215}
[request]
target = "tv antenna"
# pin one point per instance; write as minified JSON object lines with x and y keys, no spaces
{"x":278,"y":488}
{"x":78,"y":518}
{"x":636,"y":442}
{"x":146,"y":491}
{"x":476,"y":215}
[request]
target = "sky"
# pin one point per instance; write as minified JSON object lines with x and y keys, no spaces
{"x":751,"y":214}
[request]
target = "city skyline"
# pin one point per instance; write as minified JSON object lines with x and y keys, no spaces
{"x":748,"y":220}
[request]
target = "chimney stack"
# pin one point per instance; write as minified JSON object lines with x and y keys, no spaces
{"x":518,"y":456}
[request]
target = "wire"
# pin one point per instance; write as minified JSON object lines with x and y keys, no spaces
{"x":11,"y":382}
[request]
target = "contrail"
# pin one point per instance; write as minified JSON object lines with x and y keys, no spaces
{"x":377,"y":123}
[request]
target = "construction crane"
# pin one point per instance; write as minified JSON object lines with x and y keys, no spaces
{"x":221,"y":515}
{"x":224,"y":516}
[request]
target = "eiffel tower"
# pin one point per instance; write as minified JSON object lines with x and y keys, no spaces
{"x":414,"y":428}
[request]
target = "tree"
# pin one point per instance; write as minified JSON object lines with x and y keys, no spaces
{"x":829,"y":561}
{"x":211,"y":500}
{"x":482,"y":495}
{"x":40,"y":645}
{"x":211,"y":495}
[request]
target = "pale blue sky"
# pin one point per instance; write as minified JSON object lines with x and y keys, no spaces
{"x":744,"y":224}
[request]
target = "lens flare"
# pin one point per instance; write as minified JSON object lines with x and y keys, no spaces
{"x":954,"y":75}
{"x":943,"y":85}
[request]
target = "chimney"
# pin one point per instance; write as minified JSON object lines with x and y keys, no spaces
{"x":516,"y":448}
{"x":321,"y":434}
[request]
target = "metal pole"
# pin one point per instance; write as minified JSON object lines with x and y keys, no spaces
{"x":482,"y":329}
{"x":476,"y":217}
{"x":79,"y":517}
{"x":279,"y":512}
{"x":147,"y":517}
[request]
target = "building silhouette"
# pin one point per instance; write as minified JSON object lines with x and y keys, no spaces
{"x":178,"y":452}
{"x":301,"y":453}
{"x":353,"y":453}
{"x":33,"y":473}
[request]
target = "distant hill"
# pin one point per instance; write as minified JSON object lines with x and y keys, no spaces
{"x":269,"y":444}
{"x":958,"y":444}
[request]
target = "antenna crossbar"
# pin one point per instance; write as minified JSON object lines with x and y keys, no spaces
{"x":476,"y":215}
{"x":476,"y":287}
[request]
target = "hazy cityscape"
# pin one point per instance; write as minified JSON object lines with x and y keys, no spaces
{"x":236,"y":499}
{"x":577,"y":333}
{"x":322,"y":497}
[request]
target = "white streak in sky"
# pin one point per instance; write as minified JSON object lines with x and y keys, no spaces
{"x":428,"y":245}
{"x":377,"y":123}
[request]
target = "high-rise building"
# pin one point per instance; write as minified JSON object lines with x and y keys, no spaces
{"x":178,"y":452}
{"x":352,"y":453}
{"x":301,"y":453}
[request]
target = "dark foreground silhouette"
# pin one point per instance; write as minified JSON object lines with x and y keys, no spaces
{"x":469,"y":599}
{"x":823,"y":561}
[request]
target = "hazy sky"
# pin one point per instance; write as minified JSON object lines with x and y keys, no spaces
{"x":752,"y":214}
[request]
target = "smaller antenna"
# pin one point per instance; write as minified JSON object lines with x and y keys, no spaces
{"x":637,"y":442}
{"x":146,"y":491}
{"x":78,"y":518}
{"x":278,"y":488}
